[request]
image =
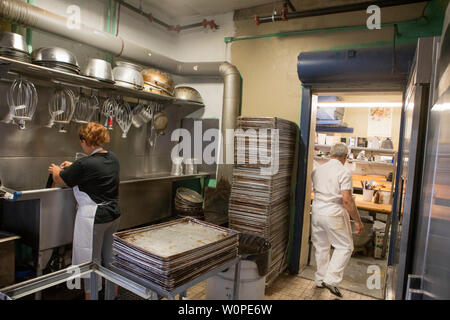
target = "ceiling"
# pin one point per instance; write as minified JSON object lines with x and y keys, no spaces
{"x":178,"y":9}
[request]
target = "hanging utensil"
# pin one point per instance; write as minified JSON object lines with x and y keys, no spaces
{"x":152,"y":140}
{"x":22,"y":101}
{"x":109,"y":111}
{"x":61,"y":107}
{"x":94,"y":105}
{"x":136,"y":116}
{"x":123,"y":117}
{"x":83,"y":112}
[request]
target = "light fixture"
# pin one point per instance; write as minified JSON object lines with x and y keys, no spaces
{"x":195,"y":68}
{"x":360,"y":104}
{"x":149,"y":54}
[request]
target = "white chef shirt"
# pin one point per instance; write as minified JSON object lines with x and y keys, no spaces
{"x":329,"y":180}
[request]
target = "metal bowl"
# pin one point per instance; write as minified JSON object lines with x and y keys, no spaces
{"x":128,"y":73}
{"x":13,"y":41}
{"x":188,"y":94}
{"x":99,"y":69}
{"x":158,"y":78}
{"x":54,"y":54}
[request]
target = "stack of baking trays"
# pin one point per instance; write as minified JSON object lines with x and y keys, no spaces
{"x":173,"y":253}
{"x":189,"y":203}
{"x":260,"y":193}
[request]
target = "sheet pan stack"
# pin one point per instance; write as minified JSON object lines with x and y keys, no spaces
{"x":173,"y":253}
{"x":260,"y":194}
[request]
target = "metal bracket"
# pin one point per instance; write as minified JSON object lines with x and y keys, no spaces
{"x":413,"y":288}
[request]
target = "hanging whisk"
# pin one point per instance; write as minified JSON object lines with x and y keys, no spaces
{"x":83,"y":110}
{"x":22,"y":101}
{"x":123,"y":117}
{"x":109,"y":110}
{"x":61,"y":107}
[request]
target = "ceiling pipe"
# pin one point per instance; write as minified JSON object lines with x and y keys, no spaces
{"x":284,"y":16}
{"x":18,"y":12}
{"x":169,"y":27}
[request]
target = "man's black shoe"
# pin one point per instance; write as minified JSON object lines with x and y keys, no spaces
{"x":334,"y":290}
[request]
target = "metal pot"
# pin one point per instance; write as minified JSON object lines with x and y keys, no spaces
{"x":158,"y":78}
{"x":99,"y":69}
{"x":188,"y":94}
{"x":14,"y":41}
{"x":54,"y":55}
{"x":126,"y":74}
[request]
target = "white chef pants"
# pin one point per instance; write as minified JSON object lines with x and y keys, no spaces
{"x":334,"y":231}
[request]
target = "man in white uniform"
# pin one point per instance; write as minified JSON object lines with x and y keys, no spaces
{"x":330,"y":222}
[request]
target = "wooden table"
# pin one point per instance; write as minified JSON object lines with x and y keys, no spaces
{"x":374,"y":208}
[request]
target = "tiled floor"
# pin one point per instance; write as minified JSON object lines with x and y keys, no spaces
{"x":288,"y":287}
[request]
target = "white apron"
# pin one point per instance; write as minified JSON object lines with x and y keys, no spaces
{"x":83,"y":235}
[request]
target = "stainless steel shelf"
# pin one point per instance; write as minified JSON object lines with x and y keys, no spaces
{"x":388,"y":151}
{"x":363,"y":162}
{"x":165,"y":177}
{"x":53,"y":75}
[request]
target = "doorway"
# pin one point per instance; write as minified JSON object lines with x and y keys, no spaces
{"x":369,"y":124}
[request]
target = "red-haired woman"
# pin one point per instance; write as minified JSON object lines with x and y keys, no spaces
{"x":95,"y":183}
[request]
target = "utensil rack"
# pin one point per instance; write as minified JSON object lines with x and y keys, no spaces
{"x":53,"y":75}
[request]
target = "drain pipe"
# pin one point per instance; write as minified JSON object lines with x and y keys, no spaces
{"x":18,"y":12}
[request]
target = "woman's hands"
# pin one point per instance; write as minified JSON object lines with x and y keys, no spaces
{"x":54,"y":170}
{"x":65,"y":164}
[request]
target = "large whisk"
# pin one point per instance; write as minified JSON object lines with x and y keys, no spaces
{"x":22,"y":101}
{"x":109,"y":110}
{"x":61,"y":107}
{"x":123,"y":117}
{"x":83,"y":110}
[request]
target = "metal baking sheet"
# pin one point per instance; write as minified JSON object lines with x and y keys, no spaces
{"x":175,"y":233}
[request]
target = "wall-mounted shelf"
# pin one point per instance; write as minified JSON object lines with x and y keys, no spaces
{"x":374,"y":150}
{"x":57,"y":76}
{"x":363,"y":162}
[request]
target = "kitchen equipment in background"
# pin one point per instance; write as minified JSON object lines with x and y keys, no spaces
{"x":100,"y":70}
{"x":128,"y":75}
{"x":83,"y":110}
{"x":137,"y":118}
{"x":61,"y":107}
{"x":159,"y":80}
{"x":22,"y":100}
{"x":160,"y":122}
{"x":94,"y":105}
{"x":385,"y":197}
{"x":368,"y":195}
{"x":321,"y":138}
{"x":14,"y":46}
{"x":362,"y":142}
{"x":352,"y":142}
{"x":177,"y":166}
{"x":123,"y":117}
{"x":191,"y":166}
{"x":259,"y":201}
{"x":56,"y":58}
{"x":329,"y":140}
{"x":185,"y":248}
{"x":109,"y":110}
{"x":387,"y":144}
{"x":188,"y":203}
{"x":149,"y":87}
{"x":188,"y":94}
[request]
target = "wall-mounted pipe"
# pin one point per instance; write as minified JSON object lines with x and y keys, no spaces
{"x":331,"y":10}
{"x":169,"y":27}
{"x":18,"y":12}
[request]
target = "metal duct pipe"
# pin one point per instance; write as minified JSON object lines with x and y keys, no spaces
{"x":230,"y":112}
{"x":16,"y":11}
